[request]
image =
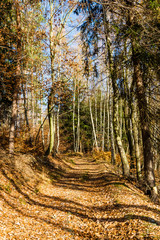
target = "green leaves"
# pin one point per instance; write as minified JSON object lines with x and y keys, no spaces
{"x":154,"y":4}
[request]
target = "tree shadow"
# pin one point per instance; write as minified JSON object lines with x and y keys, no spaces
{"x":75,"y":182}
{"x":79,"y":209}
{"x":52,"y":222}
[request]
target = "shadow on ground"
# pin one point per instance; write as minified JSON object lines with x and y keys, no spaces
{"x":66,"y":178}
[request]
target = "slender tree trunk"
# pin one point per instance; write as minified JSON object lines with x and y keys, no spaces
{"x":96,"y":119}
{"x":25,"y":107}
{"x":17,"y":81}
{"x":112,"y":71}
{"x":113,"y":158}
{"x":135,"y":136}
{"x":128,"y":131}
{"x":104,"y":124}
{"x":51,"y":114}
{"x":121,"y":117}
{"x":41,"y":119}
{"x":51,"y":117}
{"x":101,"y":112}
{"x":54,"y":40}
{"x":58,"y":136}
{"x":125,"y":164}
{"x":108,"y":116}
{"x":13,"y":121}
{"x":93,"y":127}
{"x":19,"y":119}
{"x":78,"y":123}
{"x":36,"y":100}
{"x":74,"y":97}
{"x":26,"y":113}
{"x":32,"y":97}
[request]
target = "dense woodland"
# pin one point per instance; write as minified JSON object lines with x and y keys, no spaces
{"x":82,"y":76}
{"x":79,"y":119}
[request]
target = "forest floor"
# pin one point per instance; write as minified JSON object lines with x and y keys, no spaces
{"x":71,"y":197}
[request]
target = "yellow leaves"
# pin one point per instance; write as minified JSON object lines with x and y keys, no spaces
{"x":100,"y":155}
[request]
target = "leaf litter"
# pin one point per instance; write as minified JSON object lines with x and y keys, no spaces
{"x":101,"y":206}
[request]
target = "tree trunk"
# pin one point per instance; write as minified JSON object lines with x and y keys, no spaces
{"x":144,"y":119}
{"x":101,"y":110}
{"x":113,"y":158}
{"x":32,"y":98}
{"x":96,"y":119}
{"x":93,"y":127}
{"x":128,"y":128}
{"x":121,"y":117}
{"x":135,"y":136}
{"x":104,"y":124}
{"x":17,"y":81}
{"x":13,"y":121}
{"x":112,"y":71}
{"x":41,"y":119}
{"x":78,"y":123}
{"x":108,"y":115}
{"x":74,"y":97}
{"x":58,"y":136}
{"x":51,"y":114}
{"x":125,"y":164}
{"x":51,"y":117}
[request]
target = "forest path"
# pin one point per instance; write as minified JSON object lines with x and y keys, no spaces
{"x":72,"y":198}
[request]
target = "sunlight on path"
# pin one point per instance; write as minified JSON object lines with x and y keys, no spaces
{"x":87,"y":201}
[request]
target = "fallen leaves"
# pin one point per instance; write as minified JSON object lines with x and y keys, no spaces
{"x":100,"y":207}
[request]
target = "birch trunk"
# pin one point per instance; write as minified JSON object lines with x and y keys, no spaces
{"x":93,"y":127}
{"x":96,"y":120}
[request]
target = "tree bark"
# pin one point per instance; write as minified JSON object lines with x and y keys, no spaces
{"x":113,"y":158}
{"x":125,"y":164}
{"x":78,"y":122}
{"x":74,"y":97}
{"x":104,"y":124}
{"x":58,"y":135}
{"x":51,"y":117}
{"x":108,"y":115}
{"x":144,"y":119}
{"x":136,"y":142}
{"x":17,"y":81}
{"x":41,"y":119}
{"x":93,"y":127}
{"x":112,"y":71}
{"x":51,"y":114}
